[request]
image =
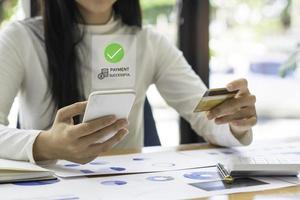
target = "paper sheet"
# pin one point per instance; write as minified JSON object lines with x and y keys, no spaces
{"x":183,"y":184}
{"x":132,"y":163}
{"x":10,"y":165}
{"x":169,"y":184}
{"x":225,"y":155}
{"x":166,"y":161}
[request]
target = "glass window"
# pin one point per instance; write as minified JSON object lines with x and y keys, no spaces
{"x":7,"y":10}
{"x":11,"y":10}
{"x":254,"y":39}
{"x":162,"y":15}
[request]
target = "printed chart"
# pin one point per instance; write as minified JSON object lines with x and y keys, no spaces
{"x":128,"y":164}
{"x":184,"y":184}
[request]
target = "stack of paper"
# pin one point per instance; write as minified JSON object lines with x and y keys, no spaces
{"x":164,"y":175}
{"x":16,"y":171}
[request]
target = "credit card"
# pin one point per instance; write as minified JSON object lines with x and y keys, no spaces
{"x":213,"y":98}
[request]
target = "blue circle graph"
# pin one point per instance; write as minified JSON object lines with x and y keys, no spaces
{"x":87,"y":171}
{"x":201,"y":175}
{"x":160,"y":178}
{"x":119,"y":169}
{"x":138,"y":159}
{"x":37,"y":183}
{"x":72,"y":165}
{"x":114,"y":182}
{"x":98,"y":163}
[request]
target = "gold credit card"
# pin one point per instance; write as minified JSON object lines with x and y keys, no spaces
{"x":213,"y":98}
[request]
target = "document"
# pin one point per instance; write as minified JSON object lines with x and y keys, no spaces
{"x":164,"y":175}
{"x":180,"y":184}
{"x":166,"y":161}
{"x":223,"y":155}
{"x":128,"y":164}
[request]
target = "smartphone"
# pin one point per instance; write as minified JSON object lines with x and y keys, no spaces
{"x":111,"y":102}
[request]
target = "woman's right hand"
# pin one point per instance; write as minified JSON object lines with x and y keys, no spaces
{"x":76,"y":143}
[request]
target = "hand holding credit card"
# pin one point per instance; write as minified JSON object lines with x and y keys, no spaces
{"x":233,"y":105}
{"x":213,"y":98}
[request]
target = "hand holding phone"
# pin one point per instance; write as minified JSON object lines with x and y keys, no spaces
{"x":76,"y":142}
{"x":112,"y":102}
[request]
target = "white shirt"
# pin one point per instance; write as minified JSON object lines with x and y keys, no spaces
{"x":23,"y":70}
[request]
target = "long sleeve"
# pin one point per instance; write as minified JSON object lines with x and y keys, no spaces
{"x":14,"y":143}
{"x":182,"y":89}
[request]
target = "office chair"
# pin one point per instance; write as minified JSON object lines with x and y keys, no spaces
{"x":150,"y":132}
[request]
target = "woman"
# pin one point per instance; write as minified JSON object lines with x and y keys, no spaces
{"x":47,"y":61}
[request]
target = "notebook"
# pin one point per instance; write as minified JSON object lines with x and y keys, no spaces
{"x":17,"y":171}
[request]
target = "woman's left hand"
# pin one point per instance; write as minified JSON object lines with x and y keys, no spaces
{"x":239,"y":112}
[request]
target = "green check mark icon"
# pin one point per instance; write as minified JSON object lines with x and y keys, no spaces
{"x":114,"y":53}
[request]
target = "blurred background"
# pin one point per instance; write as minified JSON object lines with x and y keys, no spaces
{"x":247,"y":38}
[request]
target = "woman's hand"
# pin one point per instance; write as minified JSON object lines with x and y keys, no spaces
{"x":238,"y":112}
{"x":76,"y":143}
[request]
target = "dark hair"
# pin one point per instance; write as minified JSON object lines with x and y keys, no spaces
{"x":62,"y":36}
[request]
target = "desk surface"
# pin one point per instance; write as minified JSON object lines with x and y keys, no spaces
{"x":291,"y":193}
